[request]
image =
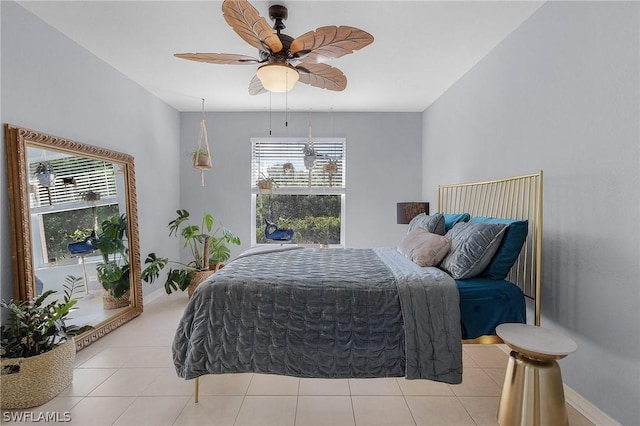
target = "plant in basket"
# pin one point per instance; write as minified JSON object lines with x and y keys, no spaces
{"x":208,"y":246}
{"x":113,"y":273}
{"x":37,"y":350}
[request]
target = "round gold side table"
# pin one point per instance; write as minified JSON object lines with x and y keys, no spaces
{"x":532,"y":393}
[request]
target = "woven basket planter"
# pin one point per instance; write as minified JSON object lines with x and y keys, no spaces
{"x":110,"y":302}
{"x":39,"y":378}
{"x":200,"y":276}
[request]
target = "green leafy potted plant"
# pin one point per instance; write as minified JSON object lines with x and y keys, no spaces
{"x":208,"y":247}
{"x":113,"y":273}
{"x":37,"y":350}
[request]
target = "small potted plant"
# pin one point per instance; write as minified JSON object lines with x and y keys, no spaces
{"x":331,"y":166}
{"x":208,"y":248}
{"x":113,"y":274}
{"x":202,"y":158}
{"x":37,"y":350}
{"x":266,"y":184}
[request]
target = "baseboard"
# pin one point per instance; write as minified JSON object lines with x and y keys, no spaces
{"x":587,"y":409}
{"x":581,"y":404}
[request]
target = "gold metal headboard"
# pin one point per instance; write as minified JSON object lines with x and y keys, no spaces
{"x":517,"y":197}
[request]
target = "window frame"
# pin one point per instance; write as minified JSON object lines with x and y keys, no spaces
{"x":298,"y":190}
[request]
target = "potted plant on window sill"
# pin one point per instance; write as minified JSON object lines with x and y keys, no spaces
{"x":37,"y":350}
{"x":208,"y":250}
{"x":113,"y":274}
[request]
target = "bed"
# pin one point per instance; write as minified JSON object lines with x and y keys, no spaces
{"x":345,"y":313}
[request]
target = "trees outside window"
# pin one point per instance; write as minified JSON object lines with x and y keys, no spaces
{"x":299,"y":184}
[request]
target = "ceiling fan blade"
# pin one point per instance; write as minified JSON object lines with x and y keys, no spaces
{"x":329,"y":42}
{"x":250,"y":26}
{"x":218,"y":58}
{"x":323,"y":76}
{"x":256,"y":87}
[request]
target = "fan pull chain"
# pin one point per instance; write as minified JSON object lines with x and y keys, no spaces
{"x":286,"y":101}
{"x":269,"y":113}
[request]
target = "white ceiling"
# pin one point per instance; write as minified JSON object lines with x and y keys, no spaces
{"x":421,"y":48}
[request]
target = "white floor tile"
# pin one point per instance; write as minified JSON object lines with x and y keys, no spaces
{"x":269,"y":384}
{"x":482,"y":409}
{"x":86,"y":380}
{"x":382,"y":386}
{"x":99,"y":411}
{"x":475,"y":382}
{"x":438,"y":411}
{"x":324,"y":387}
{"x":424,"y":387}
{"x":127,"y":382}
{"x":153,"y":411}
{"x":267,"y":411}
{"x":210,"y":410}
{"x":168,"y":383}
{"x":225,"y":384}
{"x":324,"y":411}
{"x":381,"y":410}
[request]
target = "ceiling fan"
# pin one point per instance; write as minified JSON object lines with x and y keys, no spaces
{"x":285,"y":60}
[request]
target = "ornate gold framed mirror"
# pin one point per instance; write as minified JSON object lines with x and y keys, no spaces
{"x":73,"y":212}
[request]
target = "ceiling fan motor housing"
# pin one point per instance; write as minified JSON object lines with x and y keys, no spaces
{"x":278,"y":14}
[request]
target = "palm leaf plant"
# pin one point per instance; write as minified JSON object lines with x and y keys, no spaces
{"x":207,"y":244}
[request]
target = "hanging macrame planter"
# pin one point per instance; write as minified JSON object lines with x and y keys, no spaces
{"x":202,"y":154}
{"x":310,"y":155}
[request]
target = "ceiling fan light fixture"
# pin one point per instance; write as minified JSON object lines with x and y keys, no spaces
{"x":278,"y":77}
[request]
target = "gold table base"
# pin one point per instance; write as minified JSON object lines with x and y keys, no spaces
{"x":532,"y":393}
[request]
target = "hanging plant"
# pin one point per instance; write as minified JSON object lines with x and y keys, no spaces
{"x":202,"y":158}
{"x":45,"y":174}
{"x":288,"y":168}
{"x":266,"y":184}
{"x":202,"y":154}
{"x":310,"y":156}
{"x":331,"y":167}
{"x":91,"y":196}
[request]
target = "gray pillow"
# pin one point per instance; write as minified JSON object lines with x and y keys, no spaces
{"x":433,"y":224}
{"x":472,"y":248}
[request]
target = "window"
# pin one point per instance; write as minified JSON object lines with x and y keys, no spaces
{"x":299,"y":184}
{"x":77,"y":194}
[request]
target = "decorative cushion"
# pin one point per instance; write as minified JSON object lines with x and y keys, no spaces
{"x":451,"y":219}
{"x":433,"y":223}
{"x":472,"y":248}
{"x":509,"y":249}
{"x":424,"y":248}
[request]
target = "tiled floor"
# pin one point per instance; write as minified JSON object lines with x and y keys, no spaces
{"x":127,"y":378}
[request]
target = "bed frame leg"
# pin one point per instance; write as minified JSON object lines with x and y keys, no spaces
{"x":197,"y":390}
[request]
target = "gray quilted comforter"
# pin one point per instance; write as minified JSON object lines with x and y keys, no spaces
{"x":323,"y":313}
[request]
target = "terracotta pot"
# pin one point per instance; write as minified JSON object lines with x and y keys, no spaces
{"x":203,"y":161}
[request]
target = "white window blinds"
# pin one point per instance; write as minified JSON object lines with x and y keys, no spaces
{"x":293,"y":164}
{"x":74,"y":177}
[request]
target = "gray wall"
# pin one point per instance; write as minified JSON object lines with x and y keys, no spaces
{"x":383,"y":153}
{"x":562,"y":94}
{"x":51,"y":84}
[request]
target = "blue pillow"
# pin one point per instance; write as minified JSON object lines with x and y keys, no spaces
{"x":451,"y":219}
{"x":510,"y":246}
